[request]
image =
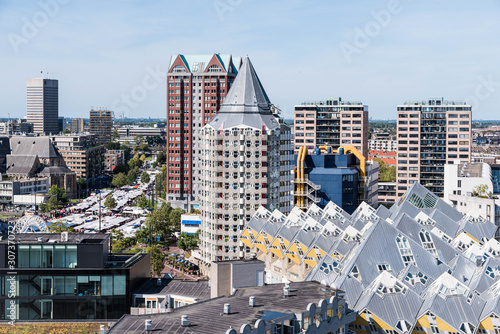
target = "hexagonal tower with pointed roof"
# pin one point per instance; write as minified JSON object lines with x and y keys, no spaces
{"x":245,"y":162}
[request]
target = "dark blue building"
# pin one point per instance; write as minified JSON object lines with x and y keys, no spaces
{"x":337,"y":177}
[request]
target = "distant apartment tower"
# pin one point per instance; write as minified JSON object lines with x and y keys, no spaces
{"x":43,"y":105}
{"x":101,"y":124}
{"x":331,"y":123}
{"x":196,"y":88}
{"x":77,"y":125}
{"x":246,"y":162}
{"x":431,"y":134}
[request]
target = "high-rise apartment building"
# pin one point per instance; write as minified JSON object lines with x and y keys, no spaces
{"x":196,"y":88}
{"x":331,"y":123}
{"x":101,"y":124}
{"x":77,"y":125}
{"x":43,"y":105}
{"x":245,"y":163}
{"x":431,"y":134}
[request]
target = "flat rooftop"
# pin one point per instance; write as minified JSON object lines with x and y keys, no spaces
{"x":54,"y":238}
{"x":205,"y":317}
{"x":470,"y":170}
{"x":194,"y":289}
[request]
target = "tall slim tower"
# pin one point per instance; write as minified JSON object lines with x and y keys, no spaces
{"x":245,"y":162}
{"x":43,"y":105}
{"x":101,"y":124}
{"x":431,"y":134}
{"x":196,"y":88}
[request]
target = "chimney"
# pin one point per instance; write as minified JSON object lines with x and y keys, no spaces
{"x":184,"y":321}
{"x":251,"y":301}
{"x":479,"y":261}
{"x":286,"y":290}
{"x":227,"y":308}
{"x":148,"y":325}
{"x":64,"y":236}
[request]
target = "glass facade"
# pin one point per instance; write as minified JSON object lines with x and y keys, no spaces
{"x":48,"y":297}
{"x":47,"y":256}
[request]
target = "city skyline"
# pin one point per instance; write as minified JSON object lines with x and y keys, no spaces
{"x":381,"y":52}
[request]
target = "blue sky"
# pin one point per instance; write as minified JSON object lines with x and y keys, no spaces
{"x":379,"y":52}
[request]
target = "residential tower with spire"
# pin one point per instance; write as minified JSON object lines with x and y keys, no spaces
{"x":245,"y":162}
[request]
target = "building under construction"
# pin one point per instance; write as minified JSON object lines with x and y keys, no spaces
{"x":341,"y":175}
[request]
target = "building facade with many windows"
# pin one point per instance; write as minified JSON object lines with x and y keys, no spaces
{"x":196,"y":88}
{"x":431,"y":134}
{"x":246,"y":163}
{"x":101,"y":124}
{"x":331,"y":123}
{"x":43,"y":105}
{"x":67,"y":276}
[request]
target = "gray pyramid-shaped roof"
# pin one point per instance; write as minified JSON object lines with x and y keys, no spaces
{"x":246,"y":103}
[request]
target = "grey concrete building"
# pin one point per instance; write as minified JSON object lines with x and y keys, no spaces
{"x":43,"y":105}
{"x":245,"y":162}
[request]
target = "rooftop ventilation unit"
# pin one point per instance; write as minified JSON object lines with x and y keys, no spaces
{"x":227,"y":308}
{"x":251,"y":301}
{"x":148,"y":325}
{"x":184,"y":321}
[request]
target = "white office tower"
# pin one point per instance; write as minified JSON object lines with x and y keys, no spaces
{"x":246,"y":162}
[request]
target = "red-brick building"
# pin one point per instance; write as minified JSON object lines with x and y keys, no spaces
{"x":196,"y":88}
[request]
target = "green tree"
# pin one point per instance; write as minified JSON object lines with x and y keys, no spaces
{"x":115,"y":134}
{"x":110,"y":202}
{"x":143,"y":202}
{"x":133,"y":174}
{"x":139,"y":139}
{"x":188,"y":242}
{"x":165,"y":221}
{"x":387,"y":172}
{"x":121,"y":168}
{"x":143,"y":147}
{"x":119,"y":180}
{"x":145,"y":177}
{"x":117,"y":239}
{"x":135,"y":162}
{"x":52,"y":204}
{"x":157,"y":260}
{"x":60,"y":194}
{"x":161,"y":157}
{"x":59,"y":227}
{"x":113,"y":145}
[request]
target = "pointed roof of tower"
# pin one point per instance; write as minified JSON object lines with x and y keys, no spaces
{"x":246,"y":103}
{"x":246,"y":94}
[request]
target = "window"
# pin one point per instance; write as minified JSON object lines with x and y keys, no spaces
{"x":384,"y":267}
{"x":427,"y":243}
{"x":405,"y":250}
{"x":355,"y":273}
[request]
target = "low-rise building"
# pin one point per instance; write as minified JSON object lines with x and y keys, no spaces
{"x":68,"y":276}
{"x":472,"y":188}
{"x":32,"y":191}
{"x":383,"y":144}
{"x":305,"y":307}
{"x":190,"y":223}
{"x":82,"y":154}
{"x":113,"y":158}
{"x":387,"y":193}
{"x":157,"y":295}
{"x":36,"y":156}
{"x":128,"y":132}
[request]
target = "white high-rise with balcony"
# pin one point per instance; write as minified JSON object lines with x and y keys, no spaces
{"x":245,"y":162}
